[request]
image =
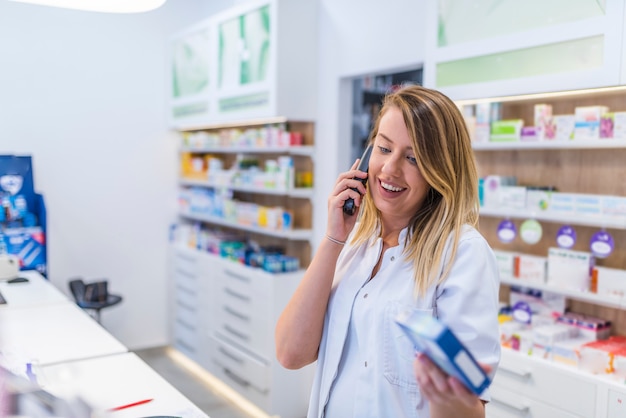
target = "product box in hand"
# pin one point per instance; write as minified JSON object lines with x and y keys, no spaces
{"x":438,"y":342}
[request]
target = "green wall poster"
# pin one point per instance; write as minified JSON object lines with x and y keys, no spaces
{"x":190,"y":74}
{"x":244,"y":59}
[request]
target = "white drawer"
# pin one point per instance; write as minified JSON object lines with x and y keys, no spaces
{"x":239,"y":323}
{"x":505,"y":404}
{"x":244,"y":283}
{"x":247,"y":375}
{"x":185,"y":257}
{"x":186,"y":295}
{"x":186,"y":312}
{"x":185,"y":277}
{"x":538,"y":380}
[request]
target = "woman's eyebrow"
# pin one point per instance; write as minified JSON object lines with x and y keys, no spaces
{"x":386,"y":138}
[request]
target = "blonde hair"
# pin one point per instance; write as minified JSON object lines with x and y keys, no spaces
{"x":445,"y":159}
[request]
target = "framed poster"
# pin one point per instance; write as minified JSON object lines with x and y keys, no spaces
{"x":190,"y":76}
{"x":245,"y":61}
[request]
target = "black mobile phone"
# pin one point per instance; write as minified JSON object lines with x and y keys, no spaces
{"x":348,"y":206}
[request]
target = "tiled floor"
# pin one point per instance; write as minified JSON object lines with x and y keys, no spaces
{"x":190,"y":385}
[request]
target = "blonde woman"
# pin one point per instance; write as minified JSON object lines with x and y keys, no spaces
{"x":415,"y":246}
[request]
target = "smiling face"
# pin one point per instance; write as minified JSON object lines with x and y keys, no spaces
{"x":396,"y":184}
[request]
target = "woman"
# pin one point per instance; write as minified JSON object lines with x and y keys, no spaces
{"x":415,"y":246}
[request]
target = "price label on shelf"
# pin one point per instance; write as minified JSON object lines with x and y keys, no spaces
{"x":566,"y":237}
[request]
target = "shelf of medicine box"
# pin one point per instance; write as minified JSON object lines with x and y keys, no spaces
{"x":299,"y":192}
{"x":303,"y":150}
{"x":605,"y":143}
{"x":600,"y":222}
{"x":604,"y":300}
{"x":290,"y":234}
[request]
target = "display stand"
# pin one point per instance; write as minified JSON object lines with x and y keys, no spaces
{"x":23,"y":214}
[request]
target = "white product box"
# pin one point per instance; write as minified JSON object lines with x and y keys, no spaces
{"x":568,"y":351}
{"x":619,"y":125}
{"x":530,"y":268}
{"x":608,"y":281}
{"x":544,"y":338}
{"x":570,"y":269}
{"x":491,"y":189}
{"x":512,"y":197}
{"x":538,"y":200}
{"x":587,"y":125}
{"x":614,"y":206}
{"x":541,"y":303}
{"x":562,"y":204}
{"x":564,"y":127}
{"x":506,"y":263}
{"x":588,"y":205}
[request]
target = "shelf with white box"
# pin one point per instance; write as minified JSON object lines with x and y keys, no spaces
{"x":592,"y":221}
{"x":530,"y":386}
{"x":254,"y":177}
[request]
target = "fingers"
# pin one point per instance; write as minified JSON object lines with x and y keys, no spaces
{"x":437,"y":386}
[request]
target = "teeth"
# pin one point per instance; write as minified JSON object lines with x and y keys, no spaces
{"x":390,"y":187}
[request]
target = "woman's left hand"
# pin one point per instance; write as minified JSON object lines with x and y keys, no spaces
{"x":439,"y":387}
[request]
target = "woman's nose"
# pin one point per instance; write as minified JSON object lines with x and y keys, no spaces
{"x":392,"y":165}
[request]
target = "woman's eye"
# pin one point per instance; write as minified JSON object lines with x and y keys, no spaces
{"x":412,"y":160}
{"x":384,"y":150}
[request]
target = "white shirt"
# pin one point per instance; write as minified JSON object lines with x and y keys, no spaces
{"x":365,"y":362}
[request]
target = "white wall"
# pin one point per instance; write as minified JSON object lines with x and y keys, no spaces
{"x":356,"y":37}
{"x":84,"y":94}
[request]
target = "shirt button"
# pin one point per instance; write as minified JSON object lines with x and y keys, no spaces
{"x":393,"y":257}
{"x":366,"y":364}
{"x":365,"y":296}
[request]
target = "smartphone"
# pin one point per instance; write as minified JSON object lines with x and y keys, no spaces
{"x":348,"y":206}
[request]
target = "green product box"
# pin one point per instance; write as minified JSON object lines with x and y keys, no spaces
{"x":506,"y":130}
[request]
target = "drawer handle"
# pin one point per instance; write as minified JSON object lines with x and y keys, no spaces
{"x":236,"y":314}
{"x":183,"y":305}
{"x":185,"y":290}
{"x":185,"y":273}
{"x":230,"y":355}
{"x":240,"y":380}
{"x":521,"y":374}
{"x":185,"y":346}
{"x":185,"y":325}
{"x":186,"y":257}
{"x":237,"y":334}
{"x":237,"y":276}
{"x":238,"y":295}
{"x":521,"y":411}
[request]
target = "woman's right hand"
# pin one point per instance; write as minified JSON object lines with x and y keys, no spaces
{"x":339,"y":223}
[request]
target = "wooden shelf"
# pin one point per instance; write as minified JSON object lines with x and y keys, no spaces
{"x":290,"y":234}
{"x":300,"y":192}
{"x":304,"y":150}
{"x":546,"y":145}
{"x":599,"y":222}
{"x":604,"y":300}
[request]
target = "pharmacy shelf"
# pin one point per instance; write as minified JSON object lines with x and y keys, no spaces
{"x":600,"y":222}
{"x":299,"y":192}
{"x":541,"y":145}
{"x":304,"y":150}
{"x":290,"y":234}
{"x":604,"y":300}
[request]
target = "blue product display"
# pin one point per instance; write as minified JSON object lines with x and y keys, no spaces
{"x":22,"y":213}
{"x":438,"y":342}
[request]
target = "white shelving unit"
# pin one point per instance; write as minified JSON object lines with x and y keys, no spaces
{"x":599,"y":222}
{"x":525,"y":385}
{"x":224,"y":312}
{"x":602,"y":300}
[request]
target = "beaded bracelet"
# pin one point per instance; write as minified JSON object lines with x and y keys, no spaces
{"x":336,"y":241}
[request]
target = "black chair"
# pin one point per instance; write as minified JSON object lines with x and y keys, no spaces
{"x":93,"y":296}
